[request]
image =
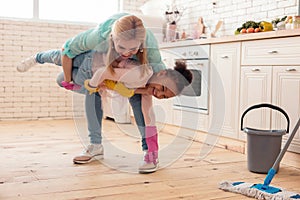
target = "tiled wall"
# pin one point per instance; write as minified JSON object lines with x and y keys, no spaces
{"x":33,"y":94}
{"x":132,"y":6}
{"x":233,"y":12}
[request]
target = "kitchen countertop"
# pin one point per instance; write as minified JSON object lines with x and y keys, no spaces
{"x":234,"y":38}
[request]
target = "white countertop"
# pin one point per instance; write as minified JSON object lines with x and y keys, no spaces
{"x":234,"y":38}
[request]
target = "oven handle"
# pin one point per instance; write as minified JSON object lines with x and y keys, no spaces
{"x":198,"y":63}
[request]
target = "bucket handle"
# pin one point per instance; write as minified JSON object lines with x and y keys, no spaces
{"x":269,"y":106}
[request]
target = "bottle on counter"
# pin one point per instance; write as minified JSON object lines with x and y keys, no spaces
{"x":199,"y":29}
{"x":183,"y":35}
{"x":296,"y":22}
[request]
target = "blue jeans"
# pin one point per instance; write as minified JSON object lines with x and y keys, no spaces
{"x":82,"y":70}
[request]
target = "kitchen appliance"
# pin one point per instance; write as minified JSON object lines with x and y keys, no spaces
{"x":195,"y":96}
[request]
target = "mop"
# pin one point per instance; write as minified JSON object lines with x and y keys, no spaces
{"x":265,"y":190}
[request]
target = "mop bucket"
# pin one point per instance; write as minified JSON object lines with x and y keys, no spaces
{"x":263,"y":146}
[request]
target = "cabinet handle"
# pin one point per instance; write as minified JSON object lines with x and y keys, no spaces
{"x":272,"y":52}
{"x":290,"y":70}
{"x":255,"y":69}
{"x":224,"y":57}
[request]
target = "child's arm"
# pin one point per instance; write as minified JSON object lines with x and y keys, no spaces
{"x":144,"y":90}
{"x":132,"y":75}
{"x":67,"y":68}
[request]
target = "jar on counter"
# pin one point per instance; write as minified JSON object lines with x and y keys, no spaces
{"x":296,"y":22}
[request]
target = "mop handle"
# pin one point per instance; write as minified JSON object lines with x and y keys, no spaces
{"x":272,"y":171}
{"x":286,"y":146}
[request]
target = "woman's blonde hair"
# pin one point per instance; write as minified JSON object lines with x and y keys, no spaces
{"x":127,"y":28}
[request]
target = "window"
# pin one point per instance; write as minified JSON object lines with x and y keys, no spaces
{"x":62,"y":10}
{"x":78,"y":10}
{"x":17,"y":8}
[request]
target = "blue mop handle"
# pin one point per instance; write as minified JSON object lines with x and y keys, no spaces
{"x":272,"y":171}
{"x":269,"y":177}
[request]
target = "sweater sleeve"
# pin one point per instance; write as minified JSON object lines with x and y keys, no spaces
{"x":154,"y":56}
{"x":95,"y":38}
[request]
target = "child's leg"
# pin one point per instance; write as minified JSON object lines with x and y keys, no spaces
{"x":51,"y":56}
{"x":54,"y":57}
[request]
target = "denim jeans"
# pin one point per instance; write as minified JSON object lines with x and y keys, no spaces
{"x":136,"y":104}
{"x":82,"y":70}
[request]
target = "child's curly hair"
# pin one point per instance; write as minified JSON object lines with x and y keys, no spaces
{"x":181,"y":75}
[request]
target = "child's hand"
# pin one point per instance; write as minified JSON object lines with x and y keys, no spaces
{"x":70,"y":86}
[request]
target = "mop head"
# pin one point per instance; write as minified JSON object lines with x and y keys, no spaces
{"x":249,"y":190}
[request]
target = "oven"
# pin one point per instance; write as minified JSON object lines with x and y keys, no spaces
{"x":194,"y":97}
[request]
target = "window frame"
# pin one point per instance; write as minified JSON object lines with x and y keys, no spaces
{"x":36,"y":14}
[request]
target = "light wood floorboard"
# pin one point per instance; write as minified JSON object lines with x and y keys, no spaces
{"x":36,"y":163}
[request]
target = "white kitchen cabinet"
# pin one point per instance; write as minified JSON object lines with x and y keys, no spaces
{"x":271,"y":74}
{"x":224,"y":89}
{"x":286,"y":94}
{"x":256,"y":84}
{"x":279,"y":51}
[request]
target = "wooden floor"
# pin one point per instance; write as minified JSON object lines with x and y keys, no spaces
{"x":36,"y":163}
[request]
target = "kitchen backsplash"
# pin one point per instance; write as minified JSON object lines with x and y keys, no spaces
{"x":232,"y":12}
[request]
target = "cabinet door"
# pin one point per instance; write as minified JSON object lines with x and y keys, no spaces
{"x":255,"y":88}
{"x":224,"y":89}
{"x":286,"y":94}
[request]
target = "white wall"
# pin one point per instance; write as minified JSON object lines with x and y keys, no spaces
{"x":132,"y":6}
{"x":33,"y":94}
{"x":234,"y":12}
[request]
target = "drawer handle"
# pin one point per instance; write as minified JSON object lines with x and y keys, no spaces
{"x":224,"y":57}
{"x":255,"y":69}
{"x":272,"y":52}
{"x":290,"y":70}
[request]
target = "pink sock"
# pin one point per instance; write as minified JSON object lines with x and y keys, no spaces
{"x":151,"y":138}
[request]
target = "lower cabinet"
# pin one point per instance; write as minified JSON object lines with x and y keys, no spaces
{"x":286,"y":94}
{"x":278,"y":85}
{"x":224,"y":89}
{"x":256,"y":84}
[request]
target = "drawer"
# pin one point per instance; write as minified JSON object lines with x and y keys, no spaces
{"x":281,"y":51}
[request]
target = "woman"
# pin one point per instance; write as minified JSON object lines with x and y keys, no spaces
{"x":122,"y":36}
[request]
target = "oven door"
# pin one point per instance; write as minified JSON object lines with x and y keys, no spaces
{"x":195,"y":96}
